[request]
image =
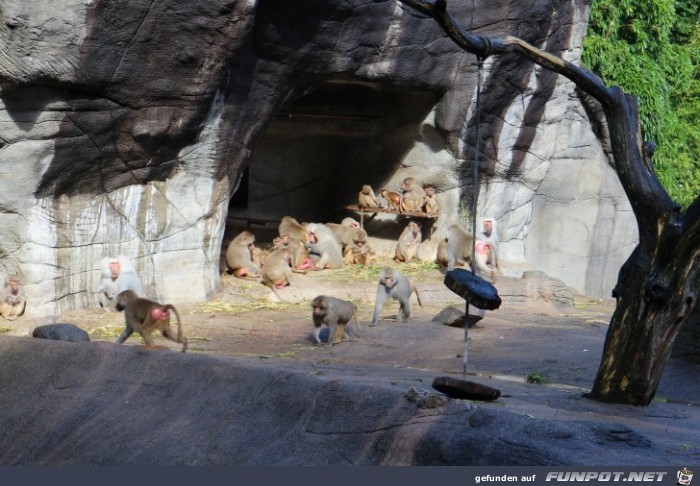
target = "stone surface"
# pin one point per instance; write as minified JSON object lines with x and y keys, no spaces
{"x":61,"y":332}
{"x":127,"y":131}
{"x":123,"y":405}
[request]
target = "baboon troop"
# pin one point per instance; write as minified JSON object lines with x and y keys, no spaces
{"x":298,"y":248}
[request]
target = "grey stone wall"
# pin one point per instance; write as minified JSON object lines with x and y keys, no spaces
{"x":125,"y":128}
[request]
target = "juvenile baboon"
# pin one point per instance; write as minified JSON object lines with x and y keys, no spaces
{"x":335,"y":314}
{"x":393,"y":284}
{"x":441,"y":257}
{"x":145,"y":316}
{"x":12,"y":300}
{"x":430,"y":203}
{"x":298,"y":253}
{"x":276,"y":273}
{"x":239,"y":256}
{"x":393,"y":199}
{"x":413,"y":196}
{"x":324,"y":250}
{"x":258,"y":256}
{"x":366,"y":198}
{"x":408,"y":243}
{"x":358,"y":251}
{"x":116,"y":275}
{"x":345,"y":233}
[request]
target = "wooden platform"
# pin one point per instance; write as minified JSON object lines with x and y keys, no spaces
{"x":374,"y":211}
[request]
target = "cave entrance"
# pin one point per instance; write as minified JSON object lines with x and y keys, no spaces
{"x":321,"y":148}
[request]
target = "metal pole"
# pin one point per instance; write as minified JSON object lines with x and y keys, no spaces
{"x":475,"y":191}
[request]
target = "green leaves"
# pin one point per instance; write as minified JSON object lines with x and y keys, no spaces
{"x":651,"y":48}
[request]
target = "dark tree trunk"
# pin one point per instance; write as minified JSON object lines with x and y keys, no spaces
{"x":658,"y":286}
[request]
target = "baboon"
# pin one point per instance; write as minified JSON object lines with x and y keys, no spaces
{"x":239,"y":256}
{"x":145,"y":316}
{"x":393,"y":284}
{"x":116,"y":275}
{"x":459,"y":251}
{"x":430,"y":203}
{"x":258,"y":256}
{"x":413,"y":196}
{"x":408,"y":243}
{"x":335,"y":314}
{"x":441,"y":258}
{"x":298,"y":253}
{"x":350,"y":222}
{"x":324,"y":250}
{"x":393,"y":199}
{"x":276,"y":273}
{"x":490,"y":235}
{"x":358,"y":251}
{"x":366,"y":198}
{"x":292,"y":229}
{"x":12,"y":300}
{"x":344,"y":234}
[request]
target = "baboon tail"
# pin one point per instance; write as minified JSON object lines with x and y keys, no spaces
{"x":415,"y":289}
{"x":276,"y":293}
{"x":180,"y":335}
{"x":354,"y":316}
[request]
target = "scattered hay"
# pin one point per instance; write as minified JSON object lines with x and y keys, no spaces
{"x":371,"y":272}
{"x":105,"y":332}
{"x":3,"y":330}
{"x":228,"y":308}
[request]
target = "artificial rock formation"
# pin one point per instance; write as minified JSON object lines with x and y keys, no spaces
{"x":128,"y":130}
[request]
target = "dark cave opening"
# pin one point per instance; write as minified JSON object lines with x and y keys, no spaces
{"x":321,"y":148}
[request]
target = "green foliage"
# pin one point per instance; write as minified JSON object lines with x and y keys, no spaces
{"x":651,"y":48}
{"x":537,"y":379}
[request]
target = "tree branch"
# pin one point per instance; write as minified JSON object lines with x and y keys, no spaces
{"x":648,"y":198}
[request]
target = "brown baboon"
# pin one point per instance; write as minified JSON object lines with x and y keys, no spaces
{"x":12,"y":300}
{"x":258,"y":256}
{"x":393,"y":199}
{"x":441,"y":257}
{"x":393,"y":284}
{"x":430,"y":203}
{"x":408,"y":243}
{"x":413,"y":196}
{"x":276,"y":273}
{"x":239,"y":256}
{"x":344,"y":233}
{"x":358,"y":251}
{"x":292,"y":229}
{"x":335,"y":314}
{"x":145,"y":316}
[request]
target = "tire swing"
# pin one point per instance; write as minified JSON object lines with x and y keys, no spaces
{"x":471,"y":287}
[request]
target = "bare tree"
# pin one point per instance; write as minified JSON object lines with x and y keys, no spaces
{"x":658,"y":286}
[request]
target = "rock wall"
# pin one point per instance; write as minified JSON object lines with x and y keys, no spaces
{"x":126,"y":127}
